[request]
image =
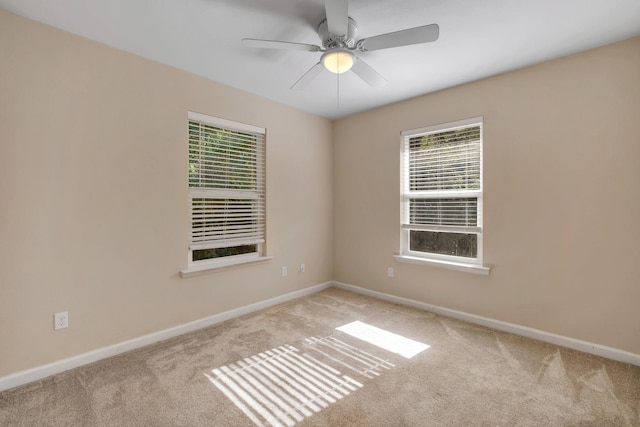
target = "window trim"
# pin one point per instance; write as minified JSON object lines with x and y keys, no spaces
{"x":458,"y":266}
{"x":405,"y":254}
{"x":198,"y":270}
{"x":202,"y":266}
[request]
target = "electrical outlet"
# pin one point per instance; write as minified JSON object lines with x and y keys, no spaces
{"x":284,"y":271}
{"x":390,"y":271}
{"x":61,"y":320}
{"x":302,"y":268}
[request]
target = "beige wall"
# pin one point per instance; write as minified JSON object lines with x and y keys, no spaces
{"x":93,"y":196}
{"x":562,"y":197}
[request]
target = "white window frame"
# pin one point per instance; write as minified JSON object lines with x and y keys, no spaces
{"x":451,"y":261}
{"x":196,"y":267}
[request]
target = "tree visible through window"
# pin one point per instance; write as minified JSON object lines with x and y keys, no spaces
{"x":226,"y":188}
{"x":442,"y":191}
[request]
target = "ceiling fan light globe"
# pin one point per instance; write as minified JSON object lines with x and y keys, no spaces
{"x":338,"y":61}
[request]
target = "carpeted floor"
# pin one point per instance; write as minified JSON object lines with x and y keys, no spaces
{"x":289,"y":365}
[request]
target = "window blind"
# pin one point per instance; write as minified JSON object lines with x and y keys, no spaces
{"x":226,"y":186}
{"x":442,"y":179}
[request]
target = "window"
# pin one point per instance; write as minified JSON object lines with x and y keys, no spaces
{"x":441,"y":177}
{"x":226,"y":191}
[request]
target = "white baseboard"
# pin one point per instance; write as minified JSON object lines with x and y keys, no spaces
{"x":40,"y":372}
{"x":584,"y":346}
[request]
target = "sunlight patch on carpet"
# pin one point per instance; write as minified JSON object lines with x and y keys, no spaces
{"x":348,"y":356}
{"x":281,"y":386}
{"x":384,"y":339}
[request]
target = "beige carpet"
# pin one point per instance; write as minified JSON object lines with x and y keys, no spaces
{"x":289,"y":365}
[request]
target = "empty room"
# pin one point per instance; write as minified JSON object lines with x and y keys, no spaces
{"x":319,"y":213}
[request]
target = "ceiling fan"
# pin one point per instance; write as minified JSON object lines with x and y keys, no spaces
{"x":338,"y":34}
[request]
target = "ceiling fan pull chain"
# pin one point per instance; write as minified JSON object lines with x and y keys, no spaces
{"x":337,"y":91}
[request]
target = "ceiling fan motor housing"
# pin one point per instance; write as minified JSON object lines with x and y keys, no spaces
{"x":330,"y":41}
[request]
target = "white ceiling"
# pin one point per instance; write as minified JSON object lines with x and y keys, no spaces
{"x":477,"y":39}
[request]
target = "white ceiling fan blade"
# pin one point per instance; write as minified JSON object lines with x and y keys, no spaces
{"x":275,"y":44}
{"x":368,"y":74}
{"x":307,"y":77}
{"x":337,"y":16}
{"x":424,"y":34}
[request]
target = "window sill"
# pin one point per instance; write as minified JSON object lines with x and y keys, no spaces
{"x":458,"y":266}
{"x":209,"y":268}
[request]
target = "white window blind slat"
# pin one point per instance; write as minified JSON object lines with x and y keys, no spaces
{"x":225,"y":243}
{"x":211,"y":237}
{"x":441,"y":228}
{"x":222,"y":193}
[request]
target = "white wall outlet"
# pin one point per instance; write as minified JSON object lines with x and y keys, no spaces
{"x":390,"y":271}
{"x":302,"y":268}
{"x":284,"y":271}
{"x":61,"y":320}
